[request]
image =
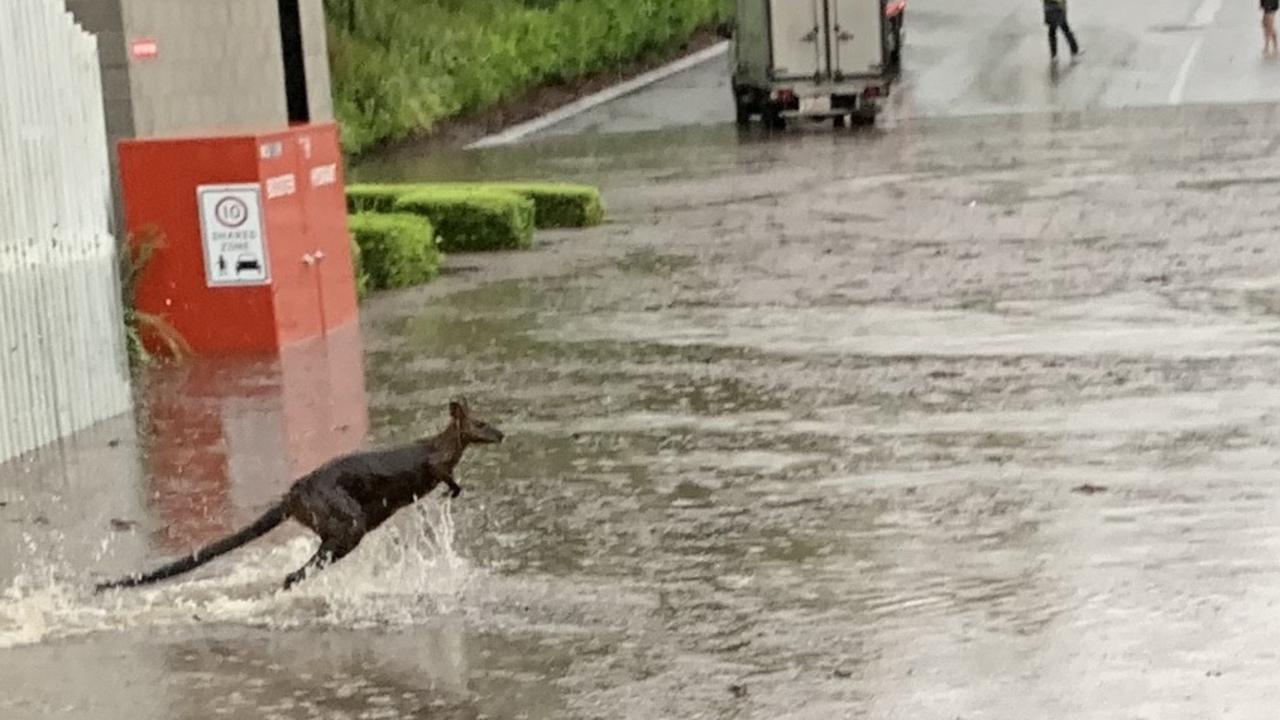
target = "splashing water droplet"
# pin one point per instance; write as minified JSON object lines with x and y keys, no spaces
{"x":406,"y":572}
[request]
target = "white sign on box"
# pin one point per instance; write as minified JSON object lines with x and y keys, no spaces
{"x":234,"y":238}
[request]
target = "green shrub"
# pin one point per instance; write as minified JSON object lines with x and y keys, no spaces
{"x":145,"y":332}
{"x":377,"y":198}
{"x":556,"y":205}
{"x":405,"y":64}
{"x":362,"y":277}
{"x":473,"y":219}
{"x":561,"y":205}
{"x":396,"y":250}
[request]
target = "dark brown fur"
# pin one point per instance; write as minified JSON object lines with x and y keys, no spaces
{"x":345,"y":499}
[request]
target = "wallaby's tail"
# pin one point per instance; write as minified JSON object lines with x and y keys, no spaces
{"x":263,"y":525}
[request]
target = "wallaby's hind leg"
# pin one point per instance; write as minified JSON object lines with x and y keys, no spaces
{"x":328,"y":554}
{"x":339,"y":521}
{"x":315,"y":563}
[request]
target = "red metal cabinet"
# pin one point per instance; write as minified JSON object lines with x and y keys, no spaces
{"x":257,"y":253}
{"x":324,"y":210}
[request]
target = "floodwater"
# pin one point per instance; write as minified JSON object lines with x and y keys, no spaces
{"x":965,"y":419}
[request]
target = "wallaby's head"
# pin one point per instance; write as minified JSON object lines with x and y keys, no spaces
{"x":471,"y":428}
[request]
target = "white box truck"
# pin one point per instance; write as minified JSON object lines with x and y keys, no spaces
{"x":815,"y":58}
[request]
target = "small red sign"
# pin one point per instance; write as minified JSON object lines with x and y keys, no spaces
{"x":144,"y":49}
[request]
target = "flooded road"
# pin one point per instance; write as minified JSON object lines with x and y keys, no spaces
{"x":974,"y":418}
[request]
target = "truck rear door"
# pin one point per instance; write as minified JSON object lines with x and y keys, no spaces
{"x":796,"y":38}
{"x":856,"y":37}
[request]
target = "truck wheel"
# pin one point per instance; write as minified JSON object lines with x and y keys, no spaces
{"x":838,"y":122}
{"x":865,"y":116}
{"x":773,"y":117}
{"x":742,"y":104}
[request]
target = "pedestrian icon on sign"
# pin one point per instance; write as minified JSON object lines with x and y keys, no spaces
{"x":222,"y":264}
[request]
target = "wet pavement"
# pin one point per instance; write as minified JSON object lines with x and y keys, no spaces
{"x":967,"y":418}
{"x":991,"y":57}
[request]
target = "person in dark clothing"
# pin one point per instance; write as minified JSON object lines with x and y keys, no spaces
{"x":1055,"y":16}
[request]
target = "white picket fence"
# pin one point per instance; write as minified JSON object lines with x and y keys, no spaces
{"x":62,"y":356}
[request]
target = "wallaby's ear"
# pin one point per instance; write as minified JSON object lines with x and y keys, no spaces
{"x":458,"y":409}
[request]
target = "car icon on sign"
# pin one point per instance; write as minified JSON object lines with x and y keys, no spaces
{"x":247,"y":262}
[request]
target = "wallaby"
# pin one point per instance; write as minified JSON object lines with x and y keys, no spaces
{"x":346,"y":498}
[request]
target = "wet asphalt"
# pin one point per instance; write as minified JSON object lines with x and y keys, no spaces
{"x":962,"y":417}
{"x":985,"y":57}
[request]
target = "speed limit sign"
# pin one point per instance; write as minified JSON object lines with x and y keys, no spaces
{"x":231,"y":230}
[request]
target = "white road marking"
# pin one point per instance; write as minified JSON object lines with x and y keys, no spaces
{"x":1180,"y":85}
{"x":1204,"y":16}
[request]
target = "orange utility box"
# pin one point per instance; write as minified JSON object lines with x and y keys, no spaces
{"x":257,"y":254}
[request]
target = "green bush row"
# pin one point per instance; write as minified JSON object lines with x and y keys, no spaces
{"x":362,"y":277}
{"x":474,"y":220}
{"x":399,"y":230}
{"x":468,"y":219}
{"x":560,"y":205}
{"x":556,"y":205}
{"x":393,"y":250}
{"x":400,"y":66}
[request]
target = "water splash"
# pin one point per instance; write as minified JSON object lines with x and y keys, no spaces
{"x":404,"y":573}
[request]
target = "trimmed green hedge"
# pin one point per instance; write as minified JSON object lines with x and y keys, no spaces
{"x":378,"y":198}
{"x":400,"y":66}
{"x":362,"y":277}
{"x":473,"y":219}
{"x":556,"y":205}
{"x":560,"y":205}
{"x":396,"y":250}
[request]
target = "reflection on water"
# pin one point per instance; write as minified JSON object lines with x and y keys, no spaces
{"x":223,"y":437}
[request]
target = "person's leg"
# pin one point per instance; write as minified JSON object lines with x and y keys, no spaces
{"x":1053,"y":39}
{"x":1071,"y":37}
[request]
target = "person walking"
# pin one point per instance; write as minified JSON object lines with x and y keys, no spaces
{"x":1269,"y":8}
{"x":1055,"y":16}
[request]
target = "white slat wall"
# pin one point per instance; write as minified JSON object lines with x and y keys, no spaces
{"x":62,"y":356}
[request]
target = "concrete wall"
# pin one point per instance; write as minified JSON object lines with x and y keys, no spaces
{"x":104,"y":19}
{"x":218,"y":67}
{"x":316,"y":47}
